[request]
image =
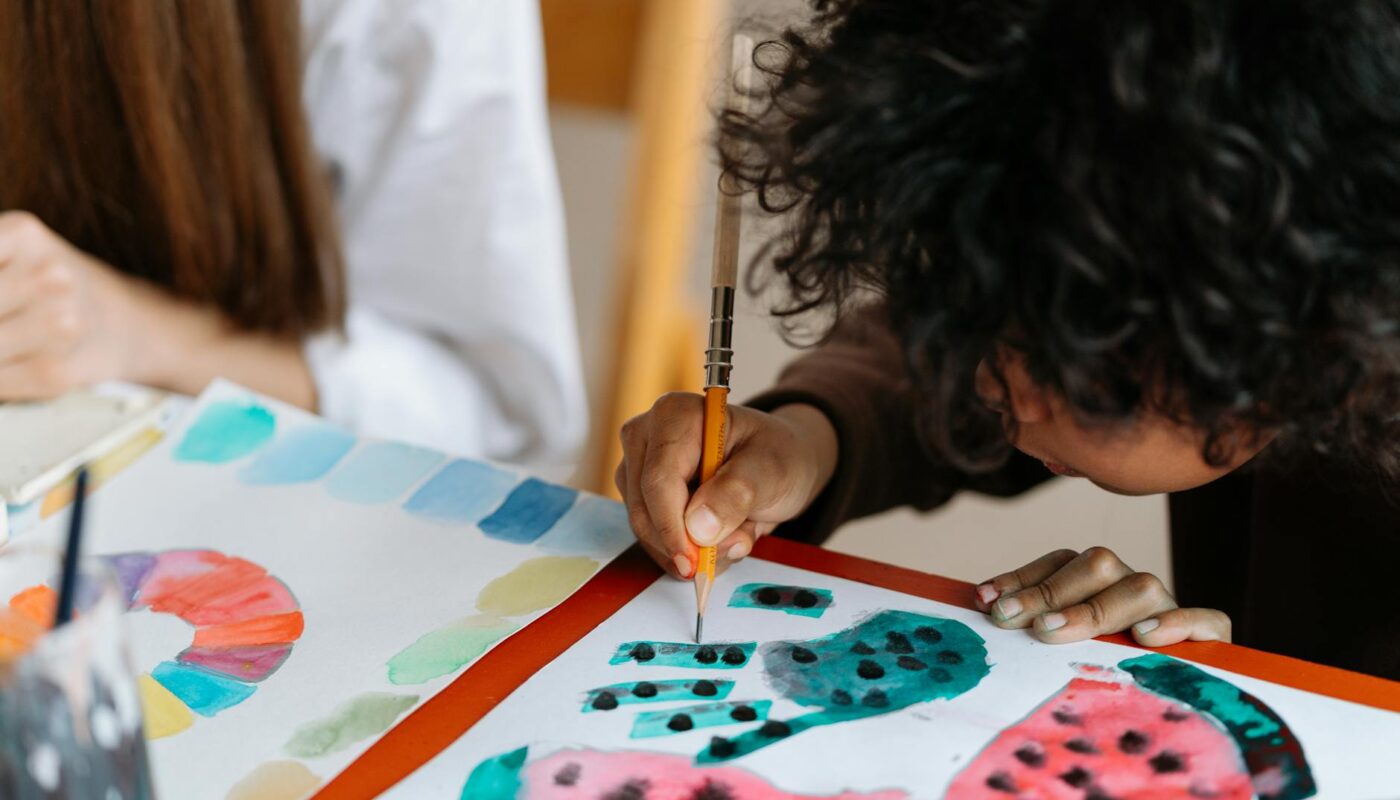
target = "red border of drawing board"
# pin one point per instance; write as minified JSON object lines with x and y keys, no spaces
{"x":442,"y":719}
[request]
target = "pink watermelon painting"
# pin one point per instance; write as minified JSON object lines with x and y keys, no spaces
{"x":1158,"y":729}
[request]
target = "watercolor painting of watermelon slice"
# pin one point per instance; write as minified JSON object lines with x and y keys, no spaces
{"x":579,"y":774}
{"x":1156,"y":728}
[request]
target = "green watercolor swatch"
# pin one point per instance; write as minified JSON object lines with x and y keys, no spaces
{"x":364,"y":716}
{"x":496,"y":778}
{"x":447,"y":649}
{"x":726,"y":655}
{"x":679,"y":720}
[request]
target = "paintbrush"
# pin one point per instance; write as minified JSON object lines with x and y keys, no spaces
{"x":68,"y":579}
{"x":719,"y":356}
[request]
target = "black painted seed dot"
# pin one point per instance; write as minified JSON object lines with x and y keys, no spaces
{"x":949,"y":657}
{"x":1077,"y":777}
{"x":869,"y":669}
{"x":1082,"y":746}
{"x":568,"y":774}
{"x":712,"y":790}
{"x":641,"y":651}
{"x":1031,"y":755}
{"x":1096,"y":793}
{"x":706,"y":655}
{"x":604,"y":701}
{"x":1065,"y":716}
{"x":802,"y":655}
{"x":940,"y":675}
{"x":841,"y":697}
{"x":861,"y":648}
{"x":804,"y":599}
{"x":875,"y":699}
{"x":928,"y":633}
{"x":635,"y":789}
{"x":743,"y":714}
{"x":704,"y":689}
{"x":1133,"y":742}
{"x":680,"y":722}
{"x":644,"y":689}
{"x":768,"y":596}
{"x":1175,"y":715}
{"x":910,"y":663}
{"x":1002,"y":782}
{"x":733,"y":655}
{"x":774,"y":729}
{"x":1167,"y":761}
{"x":896,"y":642}
{"x":721,"y":747}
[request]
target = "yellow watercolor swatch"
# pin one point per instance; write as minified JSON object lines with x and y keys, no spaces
{"x":534,"y":585}
{"x":165,"y":714}
{"x":276,"y":780}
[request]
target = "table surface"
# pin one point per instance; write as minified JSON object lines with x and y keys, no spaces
{"x":444,"y":718}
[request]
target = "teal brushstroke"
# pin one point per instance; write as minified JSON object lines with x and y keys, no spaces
{"x":1264,"y":739}
{"x":649,"y":724}
{"x":685,"y":654}
{"x":594,"y":525}
{"x":205,"y":693}
{"x":622,"y":694}
{"x":496,"y":778}
{"x":301,"y":455}
{"x":381,"y":472}
{"x":225,"y":431}
{"x":801,"y":601}
{"x":888,"y":661}
{"x":529,"y":512}
{"x":461,"y":492}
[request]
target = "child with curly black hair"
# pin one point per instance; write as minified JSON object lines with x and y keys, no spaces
{"x":1151,"y":244}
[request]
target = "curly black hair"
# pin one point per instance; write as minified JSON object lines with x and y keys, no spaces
{"x":1184,"y":206}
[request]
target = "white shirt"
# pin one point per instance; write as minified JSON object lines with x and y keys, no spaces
{"x":461,"y":333}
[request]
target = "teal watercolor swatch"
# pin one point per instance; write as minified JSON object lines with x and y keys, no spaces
{"x":461,"y":492}
{"x":607,"y":698}
{"x":205,"y":693}
{"x":798,"y":600}
{"x":225,"y":431}
{"x":381,"y":472}
{"x":684,"y":654}
{"x":649,"y":724}
{"x":301,"y":455}
{"x":496,"y":778}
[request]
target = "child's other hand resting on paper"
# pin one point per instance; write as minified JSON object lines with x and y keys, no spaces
{"x":1066,"y":596}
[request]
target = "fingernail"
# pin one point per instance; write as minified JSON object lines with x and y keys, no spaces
{"x":987,"y":592}
{"x":682,"y":565}
{"x":1052,"y":621}
{"x":1007,"y":607}
{"x":703,"y":526}
{"x":738,"y":551}
{"x":1147,"y":626}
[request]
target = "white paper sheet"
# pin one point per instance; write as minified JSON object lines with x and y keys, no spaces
{"x":917,"y":750}
{"x":370,"y":578}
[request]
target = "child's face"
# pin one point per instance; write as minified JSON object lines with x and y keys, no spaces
{"x":1151,"y":454}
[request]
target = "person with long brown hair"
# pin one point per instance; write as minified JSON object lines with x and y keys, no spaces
{"x":346,"y":204}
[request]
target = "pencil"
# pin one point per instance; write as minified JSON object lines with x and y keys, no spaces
{"x":719,"y":357}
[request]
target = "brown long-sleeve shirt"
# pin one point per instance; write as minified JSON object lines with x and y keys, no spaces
{"x":1303,"y":559}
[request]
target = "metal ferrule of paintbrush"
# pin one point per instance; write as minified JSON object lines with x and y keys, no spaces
{"x":719,"y":356}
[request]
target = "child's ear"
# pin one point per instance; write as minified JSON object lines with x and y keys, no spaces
{"x":1030,"y":402}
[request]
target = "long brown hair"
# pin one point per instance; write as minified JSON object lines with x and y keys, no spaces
{"x":168,"y":138}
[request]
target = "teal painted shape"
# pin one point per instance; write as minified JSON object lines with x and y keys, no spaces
{"x":731,"y":655}
{"x":529,"y":512}
{"x":381,"y":472}
{"x":496,"y":778}
{"x":205,"y":693}
{"x":301,"y":455}
{"x":461,"y":492}
{"x":1267,"y":744}
{"x":649,"y":724}
{"x":888,"y":661}
{"x":225,"y":431}
{"x":606,"y":698}
{"x":801,"y":601}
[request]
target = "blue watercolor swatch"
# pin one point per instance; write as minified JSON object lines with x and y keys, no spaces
{"x":799,"y":600}
{"x":301,"y":455}
{"x":205,"y":693}
{"x":685,"y":654}
{"x":606,"y":698}
{"x":226,"y":430}
{"x":679,"y":720}
{"x":381,"y":472}
{"x":463,"y":491}
{"x":529,"y":512}
{"x":595,"y":524}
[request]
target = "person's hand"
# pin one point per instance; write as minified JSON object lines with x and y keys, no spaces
{"x":65,"y":317}
{"x":775,"y":465}
{"x":1066,"y":596}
